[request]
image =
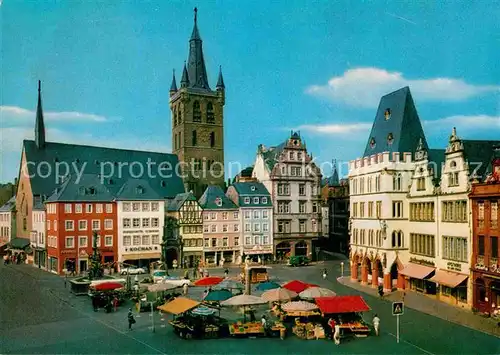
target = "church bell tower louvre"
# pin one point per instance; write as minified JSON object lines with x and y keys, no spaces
{"x":198,"y":120}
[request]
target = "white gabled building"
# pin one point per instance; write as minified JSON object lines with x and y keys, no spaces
{"x":256,"y":210}
{"x":410,"y":224}
{"x":293,"y":180}
{"x":141,"y":218}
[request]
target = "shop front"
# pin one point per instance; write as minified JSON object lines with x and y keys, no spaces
{"x":486,"y":297}
{"x":40,"y":258}
{"x":417,"y":278}
{"x":53,"y":264}
{"x":451,"y":287}
{"x":83,"y":261}
{"x":259,"y":253}
{"x":140,"y":256}
{"x":191,"y":258}
{"x":221,"y":255}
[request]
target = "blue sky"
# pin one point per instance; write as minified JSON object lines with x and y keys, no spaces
{"x":319,"y":67}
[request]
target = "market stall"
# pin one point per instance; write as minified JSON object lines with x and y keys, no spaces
{"x":345,"y":310}
{"x":306,"y":322}
{"x":258,"y":273}
{"x":297,"y":286}
{"x":245,"y":328}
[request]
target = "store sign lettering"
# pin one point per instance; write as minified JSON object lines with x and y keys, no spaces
{"x":454,"y":266}
{"x":140,"y":249}
{"x":220,"y":248}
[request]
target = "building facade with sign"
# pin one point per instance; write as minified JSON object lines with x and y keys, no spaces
{"x":256,"y":212}
{"x":188,"y":214}
{"x":410,"y":215}
{"x":38,"y":237}
{"x":221,"y":228}
{"x":141,"y":217}
{"x":81,"y":206}
{"x":485,"y":199}
{"x":293,"y":180}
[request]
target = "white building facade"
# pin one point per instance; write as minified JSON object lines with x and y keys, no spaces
{"x":293,"y":180}
{"x":7,"y":226}
{"x":37,"y":236}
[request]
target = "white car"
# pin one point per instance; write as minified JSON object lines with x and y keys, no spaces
{"x":159,"y":275}
{"x":133,"y":271}
{"x":176,"y":281}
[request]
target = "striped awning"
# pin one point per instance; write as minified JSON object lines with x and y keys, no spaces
{"x":448,"y":278}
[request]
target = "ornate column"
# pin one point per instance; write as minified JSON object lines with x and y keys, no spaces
{"x":354,"y":270}
{"x":387,"y":283}
{"x":364,"y":274}
{"x":375,"y":274}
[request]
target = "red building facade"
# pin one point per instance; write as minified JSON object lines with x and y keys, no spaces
{"x":485,"y":199}
{"x":69,"y":231}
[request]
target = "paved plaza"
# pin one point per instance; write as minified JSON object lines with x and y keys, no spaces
{"x":39,"y":315}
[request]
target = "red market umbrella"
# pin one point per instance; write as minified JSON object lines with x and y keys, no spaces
{"x":208,"y":281}
{"x":108,"y":286}
{"x":297,"y":286}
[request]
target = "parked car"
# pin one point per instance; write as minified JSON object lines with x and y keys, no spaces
{"x":133,"y":271}
{"x":159,"y":275}
{"x":176,"y":281}
{"x":299,"y":260}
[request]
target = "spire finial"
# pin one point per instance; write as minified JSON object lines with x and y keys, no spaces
{"x":195,"y":14}
{"x":39,"y":85}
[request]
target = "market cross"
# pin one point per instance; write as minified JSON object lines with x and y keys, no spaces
{"x":397,"y":308}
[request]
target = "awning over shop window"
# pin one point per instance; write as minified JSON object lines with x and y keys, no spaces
{"x":448,"y":278}
{"x":417,"y":271}
{"x":141,"y":256}
{"x":342,"y":304}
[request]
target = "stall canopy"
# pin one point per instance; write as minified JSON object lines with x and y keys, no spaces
{"x":209,"y":281}
{"x":179,"y":305}
{"x":448,"y":278}
{"x":417,"y":271}
{"x":342,"y":304}
{"x":278,"y":295}
{"x":297,"y":286}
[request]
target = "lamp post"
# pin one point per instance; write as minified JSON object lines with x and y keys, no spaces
{"x":342,"y":269}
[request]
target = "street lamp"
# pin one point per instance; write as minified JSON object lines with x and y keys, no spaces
{"x":342,"y":269}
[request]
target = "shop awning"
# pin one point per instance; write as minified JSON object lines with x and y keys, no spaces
{"x":179,"y":305}
{"x":417,"y":271}
{"x":448,"y":278}
{"x":342,"y":304}
{"x":126,"y":257}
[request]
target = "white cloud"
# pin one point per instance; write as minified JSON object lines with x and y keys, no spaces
{"x":14,"y":115}
{"x":336,"y":128}
{"x":363,"y":87}
{"x":478,"y":122}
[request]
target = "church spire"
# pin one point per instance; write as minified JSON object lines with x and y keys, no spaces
{"x":185,"y":77}
{"x":220,"y":80}
{"x":39,"y":124}
{"x":196,"y":63}
{"x":173,"y":86}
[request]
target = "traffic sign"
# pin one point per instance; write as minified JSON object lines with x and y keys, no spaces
{"x":398,"y":308}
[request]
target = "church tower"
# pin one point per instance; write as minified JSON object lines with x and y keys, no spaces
{"x":198,"y":121}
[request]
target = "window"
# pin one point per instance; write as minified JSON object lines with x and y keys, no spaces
{"x":109,"y":208}
{"x":210,"y":113}
{"x":127,"y":240}
{"x":314,"y":207}
{"x":369,"y":184}
{"x":283,"y":190}
{"x":256,"y":214}
{"x":494,"y":214}
{"x":264,"y":200}
{"x":247,"y":200}
{"x":225,"y":242}
{"x":397,"y":182}
{"x":422,"y":211}
{"x":67,"y":208}
{"x":136,"y":222}
{"x":70,"y":242}
{"x":422,"y":244}
{"x":224,"y":215}
{"x":379,"y":209}
{"x":302,"y":189}
{"x":96,"y":225}
{"x":420,"y":184}
{"x":145,"y":223}
{"x":247,"y":227}
{"x":247,"y":214}
{"x":126,"y":223}
{"x":455,"y":211}
{"x":126,"y":207}
{"x":88,"y":208}
{"x":362,"y":209}
{"x":155,"y":239}
{"x":236,"y":227}
{"x":55,"y":225}
{"x":98,"y":208}
{"x":480,"y":245}
{"x":224,"y":227}
{"x":302,"y":207}
{"x":235,"y":215}
{"x":194,"y":138}
{"x":302,"y":226}
{"x":256,"y":239}
{"x":283,"y":207}
{"x":256,"y":227}
{"x":494,"y":247}
{"x":145,"y":240}
{"x":362,"y":185}
{"x":69,"y":225}
{"x":248,"y":240}
{"x":155,"y":222}
{"x":213,"y":215}
{"x":455,"y":248}
{"x":236,"y":241}
{"x":78,"y":208}
{"x":354,"y":209}
{"x":136,"y":240}
{"x":377,"y":183}
{"x":397,"y":209}
{"x":214,"y":242}
{"x":256,"y":200}
{"x":108,"y":224}
{"x":212,"y":139}
{"x":136,"y":207}
{"x":82,"y":225}
{"x":108,"y":240}
{"x":295,"y":171}
{"x":82,"y":241}
{"x":453,"y":179}
{"x":205,"y":228}
{"x":265,"y":214}
{"x":196,"y":111}
{"x":265,"y":227}
{"x":48,"y":225}
{"x":145,"y":206}
{"x":213,"y":228}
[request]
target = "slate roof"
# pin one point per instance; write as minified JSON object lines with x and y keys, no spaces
{"x":197,"y":71}
{"x":436,"y":159}
{"x":38,"y":204}
{"x":252,"y":189}
{"x":88,"y":187}
{"x":272,"y":155}
{"x":9,"y":205}
{"x":403,"y":123}
{"x":91,"y":159}
{"x":178,"y":201}
{"x":212,"y":193}
{"x":137,"y":189}
{"x":479,"y":155}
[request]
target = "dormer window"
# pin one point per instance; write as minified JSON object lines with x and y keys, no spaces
{"x":218,"y":201}
{"x":372,"y":143}
{"x":162,"y":183}
{"x":92,"y":191}
{"x":247,"y":200}
{"x":390,"y":138}
{"x":139,"y":190}
{"x":387,"y":114}
{"x":81,"y":191}
{"x":252,"y":188}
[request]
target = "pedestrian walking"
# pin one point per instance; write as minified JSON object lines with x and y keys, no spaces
{"x":336,"y":334}
{"x":5,"y":259}
{"x":185,"y":289}
{"x":226,"y":272}
{"x":130,"y":318}
{"x":376,"y":324}
{"x":381,"y":291}
{"x":324,"y":274}
{"x":115,"y":303}
{"x":331,"y":324}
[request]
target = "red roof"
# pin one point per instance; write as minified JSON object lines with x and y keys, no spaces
{"x":297,"y":286}
{"x":342,"y":304}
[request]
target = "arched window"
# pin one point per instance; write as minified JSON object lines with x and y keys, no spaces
{"x":210,"y":113}
{"x":179,"y":115}
{"x":212,"y":139}
{"x":196,"y":112}
{"x":397,"y":182}
{"x":400,"y":239}
{"x":175,"y":114}
{"x":194,"y":139}
{"x":393,"y":241}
